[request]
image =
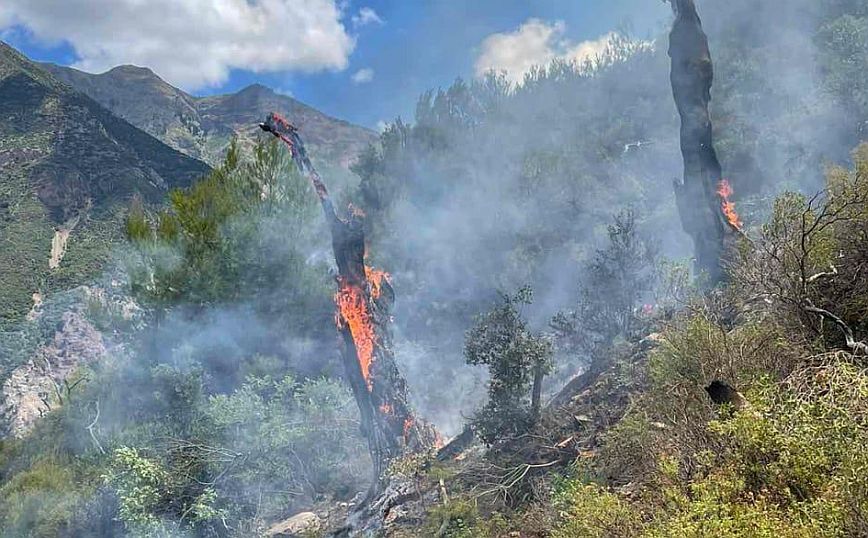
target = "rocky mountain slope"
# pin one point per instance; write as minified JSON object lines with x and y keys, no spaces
{"x":68,"y":168}
{"x":203,"y":126}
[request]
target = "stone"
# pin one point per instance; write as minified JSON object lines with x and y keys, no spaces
{"x":297,"y":525}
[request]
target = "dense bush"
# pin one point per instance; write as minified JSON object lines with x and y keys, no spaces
{"x":788,"y":459}
{"x":517,"y":359}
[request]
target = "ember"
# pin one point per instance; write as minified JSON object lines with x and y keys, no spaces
{"x":724,"y":190}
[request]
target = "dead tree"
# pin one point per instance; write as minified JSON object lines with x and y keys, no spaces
{"x":702,"y":196}
{"x":364,"y":300}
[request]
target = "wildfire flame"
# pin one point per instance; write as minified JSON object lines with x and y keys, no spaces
{"x":354,"y":313}
{"x":375,"y":278}
{"x":408,"y":425}
{"x":724,"y":190}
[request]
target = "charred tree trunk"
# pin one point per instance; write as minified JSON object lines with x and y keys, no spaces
{"x":364,"y":300}
{"x":698,"y":196}
{"x":536,"y":393}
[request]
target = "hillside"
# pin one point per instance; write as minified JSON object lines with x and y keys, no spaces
{"x":68,"y":167}
{"x":520,"y":251}
{"x":203,"y":126}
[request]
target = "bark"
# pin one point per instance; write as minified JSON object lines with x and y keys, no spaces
{"x":699,"y":205}
{"x":536,"y":394}
{"x":387,"y":420}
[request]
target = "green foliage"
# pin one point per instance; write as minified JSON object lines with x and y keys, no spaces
{"x":141,"y":484}
{"x":791,"y":460}
{"x":614,"y":283}
{"x":590,"y":511}
{"x":455,"y":520}
{"x":514,"y":355}
{"x":804,"y":266}
{"x":41,"y":501}
{"x":295,"y":438}
{"x":460,"y":518}
{"x":844,"y":42}
{"x":237,"y":234}
{"x":792,"y":464}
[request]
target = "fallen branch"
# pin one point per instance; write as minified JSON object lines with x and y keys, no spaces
{"x":855,"y":347}
{"x":824,"y":274}
{"x":90,"y":428}
{"x":513,"y":476}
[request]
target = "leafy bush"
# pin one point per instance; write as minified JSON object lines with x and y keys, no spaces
{"x":142,"y":485}
{"x":516,"y":358}
{"x":460,"y":518}
{"x":590,"y":511}
{"x":42,"y":500}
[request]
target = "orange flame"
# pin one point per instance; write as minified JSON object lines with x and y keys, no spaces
{"x":386,"y":408}
{"x":724,"y":190}
{"x":408,"y":425}
{"x":354,"y":314}
{"x":375,"y":279}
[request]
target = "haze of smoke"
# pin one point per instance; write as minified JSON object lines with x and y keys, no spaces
{"x":523,"y":190}
{"x":522,"y":181}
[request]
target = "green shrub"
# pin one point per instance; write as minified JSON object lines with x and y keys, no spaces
{"x":141,"y":485}
{"x":461,"y":518}
{"x":590,"y":511}
{"x":516,"y":358}
{"x":41,"y":500}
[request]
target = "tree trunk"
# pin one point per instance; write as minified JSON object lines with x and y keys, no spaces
{"x":536,"y":394}
{"x":364,"y":300}
{"x":697,"y":197}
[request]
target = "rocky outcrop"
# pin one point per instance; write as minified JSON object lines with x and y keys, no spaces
{"x":45,"y":381}
{"x":298,"y":525}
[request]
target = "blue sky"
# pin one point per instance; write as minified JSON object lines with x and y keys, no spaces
{"x":410,"y":46}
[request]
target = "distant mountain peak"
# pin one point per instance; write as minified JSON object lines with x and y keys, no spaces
{"x":68,"y":168}
{"x":132,"y":70}
{"x":256,"y":88}
{"x":13,"y":62}
{"x":202,"y":127}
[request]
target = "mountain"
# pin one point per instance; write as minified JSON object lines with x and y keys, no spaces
{"x":202,"y":127}
{"x":68,"y":168}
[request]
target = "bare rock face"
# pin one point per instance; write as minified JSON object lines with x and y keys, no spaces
{"x":40,"y":384}
{"x":297,"y":525}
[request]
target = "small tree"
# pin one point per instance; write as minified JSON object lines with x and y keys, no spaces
{"x":517,"y":360}
{"x":616,"y":280}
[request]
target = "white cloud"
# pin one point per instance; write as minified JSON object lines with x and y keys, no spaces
{"x":382,"y":125}
{"x":363,"y":76}
{"x":534,"y":43}
{"x":191,"y":43}
{"x":365,"y":17}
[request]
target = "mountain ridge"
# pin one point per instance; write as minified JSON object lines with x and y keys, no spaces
{"x":203,"y":126}
{"x":68,"y":168}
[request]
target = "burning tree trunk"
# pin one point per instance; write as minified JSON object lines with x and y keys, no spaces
{"x":364,"y":300}
{"x":703,"y":195}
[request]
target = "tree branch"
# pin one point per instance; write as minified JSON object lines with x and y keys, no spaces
{"x":856,"y":347}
